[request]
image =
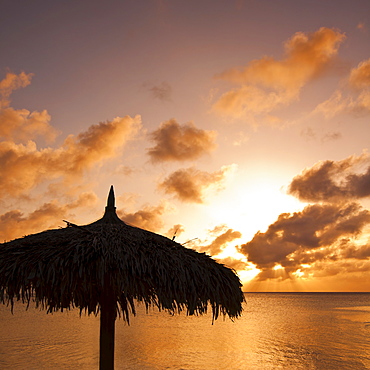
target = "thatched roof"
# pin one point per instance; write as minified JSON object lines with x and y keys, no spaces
{"x":73,"y":267}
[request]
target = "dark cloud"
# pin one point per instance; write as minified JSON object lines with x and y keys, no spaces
{"x":162,"y":92}
{"x":309,"y":134}
{"x":331,"y":136}
{"x":330,"y":180}
{"x":175,"y":142}
{"x":317,"y":226}
{"x":189,"y":184}
{"x":360,"y":253}
{"x":350,"y":269}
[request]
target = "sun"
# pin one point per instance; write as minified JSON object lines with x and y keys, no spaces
{"x":252,"y":205}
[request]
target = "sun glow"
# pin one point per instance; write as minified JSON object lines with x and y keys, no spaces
{"x":277,"y":267}
{"x":251,"y":206}
{"x":248,"y":274}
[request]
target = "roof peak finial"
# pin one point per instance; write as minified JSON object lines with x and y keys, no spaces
{"x":111,"y":200}
{"x":110,"y":215}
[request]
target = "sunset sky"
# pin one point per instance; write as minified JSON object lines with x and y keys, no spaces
{"x":241,"y":126}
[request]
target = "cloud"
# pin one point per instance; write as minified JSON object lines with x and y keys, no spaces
{"x":360,"y":253}
{"x":354,"y":98}
{"x":149,"y":218}
{"x":24,"y":165}
{"x":333,"y":106}
{"x":361,"y":26}
{"x":175,"y":142}
{"x":220,"y":242}
{"x":331,"y":136}
{"x":162,"y":92}
{"x":234,"y":263}
{"x":267,"y":83}
{"x":190,"y":184}
{"x":124,"y":170}
{"x":329,"y":181}
{"x":10,"y":83}
{"x":241,"y":139}
{"x":343,"y":258}
{"x":338,"y":103}
{"x":359,"y":77}
{"x":21,"y":124}
{"x":175,"y":231}
{"x":308,"y":133}
{"x":15,"y":224}
{"x":249,"y":99}
{"x":306,"y":57}
{"x":312,"y":230}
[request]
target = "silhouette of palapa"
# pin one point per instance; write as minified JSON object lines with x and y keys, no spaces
{"x":106,"y":266}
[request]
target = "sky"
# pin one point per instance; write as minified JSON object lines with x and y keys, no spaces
{"x":241,"y":128}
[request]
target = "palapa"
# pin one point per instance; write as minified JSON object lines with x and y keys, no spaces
{"x":107,"y":266}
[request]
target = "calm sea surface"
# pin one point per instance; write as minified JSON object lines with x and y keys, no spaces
{"x":276,"y":331}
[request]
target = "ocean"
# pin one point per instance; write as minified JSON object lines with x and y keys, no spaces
{"x":276,"y":331}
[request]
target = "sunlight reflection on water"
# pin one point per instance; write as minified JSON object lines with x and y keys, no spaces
{"x":277,"y":331}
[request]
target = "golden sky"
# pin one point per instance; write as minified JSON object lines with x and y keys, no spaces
{"x":241,"y":127}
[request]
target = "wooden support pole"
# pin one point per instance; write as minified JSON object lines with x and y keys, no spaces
{"x":107,"y":325}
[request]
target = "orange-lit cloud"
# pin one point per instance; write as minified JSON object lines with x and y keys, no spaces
{"x":149,"y":217}
{"x":267,"y":83}
{"x":175,"y":231}
{"x":361,"y":26}
{"x":359,"y":77}
{"x":189,"y":184}
{"x":328,"y":180}
{"x":50,"y":215}
{"x":10,"y":83}
{"x":21,"y":124}
{"x":175,"y":142}
{"x":220,"y":242}
{"x":124,"y":170}
{"x":249,"y":99}
{"x":355,"y":100}
{"x":333,"y":106}
{"x":25,"y":166}
{"x":234,"y":263}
